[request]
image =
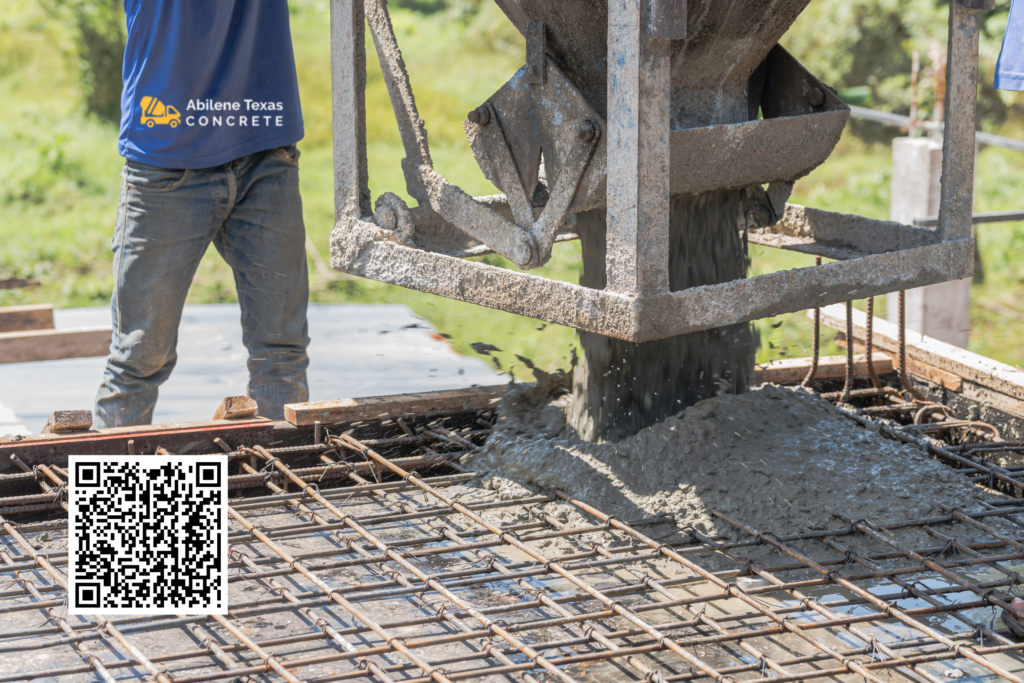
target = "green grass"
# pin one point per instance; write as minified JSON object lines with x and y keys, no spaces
{"x":59,"y":186}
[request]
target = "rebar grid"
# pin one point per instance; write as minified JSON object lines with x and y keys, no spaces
{"x":396,"y":575}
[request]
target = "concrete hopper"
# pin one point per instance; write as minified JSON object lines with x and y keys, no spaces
{"x":619,"y":109}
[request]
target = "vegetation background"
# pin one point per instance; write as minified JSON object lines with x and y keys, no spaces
{"x":60,"y":84}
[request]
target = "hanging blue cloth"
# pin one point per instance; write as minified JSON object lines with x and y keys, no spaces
{"x":1010,"y":67}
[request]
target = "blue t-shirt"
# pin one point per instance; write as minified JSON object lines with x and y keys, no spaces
{"x":207,"y":81}
{"x":1010,"y":67}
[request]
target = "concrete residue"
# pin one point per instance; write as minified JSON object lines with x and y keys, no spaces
{"x":775,"y":458}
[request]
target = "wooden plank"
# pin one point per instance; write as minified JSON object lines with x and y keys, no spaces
{"x":972,"y":367}
{"x":65,"y":421}
{"x":387,"y":407}
{"x":177,"y":437}
{"x":22,"y":318}
{"x":17,"y":283}
{"x":35,"y":345}
{"x":235,"y":408}
{"x":829,"y":367}
{"x":999,"y":401}
{"x":914,"y":367}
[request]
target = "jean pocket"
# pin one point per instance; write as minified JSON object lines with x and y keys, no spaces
{"x":289,"y":154}
{"x":146,"y":178}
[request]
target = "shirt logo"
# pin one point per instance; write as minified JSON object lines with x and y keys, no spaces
{"x":155,"y":112}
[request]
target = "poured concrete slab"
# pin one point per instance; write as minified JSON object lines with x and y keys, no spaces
{"x":355,"y":350}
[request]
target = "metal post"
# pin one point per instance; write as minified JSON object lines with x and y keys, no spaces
{"x":638,"y":153}
{"x":961,"y":106}
{"x":348,"y":99}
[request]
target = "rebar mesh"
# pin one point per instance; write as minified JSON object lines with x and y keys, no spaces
{"x":361,"y":567}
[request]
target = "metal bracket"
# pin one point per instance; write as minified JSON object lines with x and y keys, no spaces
{"x":578,"y":141}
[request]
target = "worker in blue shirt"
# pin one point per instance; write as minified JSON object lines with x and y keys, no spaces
{"x":209,"y":121}
{"x":1010,"y":66}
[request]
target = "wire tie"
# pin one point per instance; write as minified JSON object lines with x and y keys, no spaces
{"x":876,"y":653}
{"x":654,"y":676}
{"x":35,"y":472}
{"x":60,"y":493}
{"x":305,"y":489}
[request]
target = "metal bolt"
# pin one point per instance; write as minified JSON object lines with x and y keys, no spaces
{"x":523,"y":253}
{"x":588,"y":131}
{"x":385,"y":217}
{"x":481,"y":116}
{"x":816,"y":96}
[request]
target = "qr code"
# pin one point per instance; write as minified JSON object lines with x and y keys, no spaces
{"x":147,"y":535}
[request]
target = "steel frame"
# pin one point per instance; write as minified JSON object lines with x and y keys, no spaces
{"x":636,"y":305}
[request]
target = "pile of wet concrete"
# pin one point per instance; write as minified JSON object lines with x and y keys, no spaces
{"x":775,"y":458}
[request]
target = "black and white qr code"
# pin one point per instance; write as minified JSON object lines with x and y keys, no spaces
{"x":147,"y":535}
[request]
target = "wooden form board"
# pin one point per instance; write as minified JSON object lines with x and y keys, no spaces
{"x":17,"y":283}
{"x":829,"y":367}
{"x":983,"y":379}
{"x":22,"y":318}
{"x":36,"y":345}
{"x":928,"y":372}
{"x":389,"y":407}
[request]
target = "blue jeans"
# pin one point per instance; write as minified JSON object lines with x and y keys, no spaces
{"x":251,"y":210}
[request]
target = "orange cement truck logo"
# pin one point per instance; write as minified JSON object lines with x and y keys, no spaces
{"x":155,"y":112}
